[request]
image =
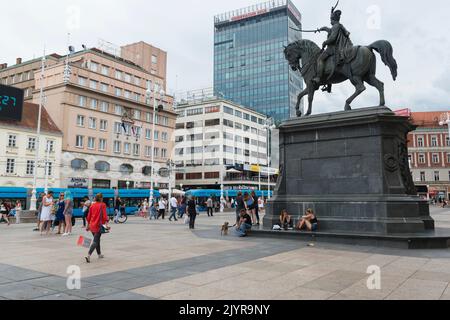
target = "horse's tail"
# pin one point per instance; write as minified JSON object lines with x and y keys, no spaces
{"x":384,"y":48}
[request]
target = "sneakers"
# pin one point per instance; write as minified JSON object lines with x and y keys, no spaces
{"x":88,"y":259}
{"x":101,"y":256}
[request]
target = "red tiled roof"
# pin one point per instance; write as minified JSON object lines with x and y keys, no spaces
{"x":427,"y":119}
{"x":30,"y":118}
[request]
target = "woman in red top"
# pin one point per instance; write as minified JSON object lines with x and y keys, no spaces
{"x":96,"y":218}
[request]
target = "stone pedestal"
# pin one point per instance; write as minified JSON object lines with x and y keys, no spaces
{"x":352,"y":169}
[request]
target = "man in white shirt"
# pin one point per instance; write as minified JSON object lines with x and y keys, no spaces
{"x":162,"y":208}
{"x":173,"y":208}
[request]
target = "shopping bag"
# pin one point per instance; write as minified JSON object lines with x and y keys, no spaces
{"x":186,"y":219}
{"x":84,"y":242}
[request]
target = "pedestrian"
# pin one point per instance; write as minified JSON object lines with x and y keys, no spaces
{"x":46,"y":214}
{"x":173,"y":208}
{"x":60,"y":218}
{"x":261,"y":208}
{"x":153,"y":210}
{"x":244,"y":224}
{"x":97,"y":221}
{"x":210,"y":206}
{"x":162,"y":208}
{"x":256,"y":207}
{"x":86,"y":204}
{"x":117,"y":209}
{"x":68,"y":213}
{"x":240,"y":205}
{"x":192,"y":212}
{"x":18,"y":211}
{"x":182,"y":208}
{"x":39,"y":211}
{"x":250,"y":205}
{"x":4,"y":211}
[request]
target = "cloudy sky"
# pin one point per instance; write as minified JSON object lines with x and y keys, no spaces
{"x":418,"y":31}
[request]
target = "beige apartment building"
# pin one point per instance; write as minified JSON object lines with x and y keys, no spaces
{"x":106,"y":117}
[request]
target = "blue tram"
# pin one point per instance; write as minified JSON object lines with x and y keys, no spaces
{"x":132,"y":198}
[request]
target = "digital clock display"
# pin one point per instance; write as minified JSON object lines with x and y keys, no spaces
{"x":11,"y":103}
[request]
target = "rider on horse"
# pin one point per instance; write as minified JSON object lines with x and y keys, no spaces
{"x":338,"y":40}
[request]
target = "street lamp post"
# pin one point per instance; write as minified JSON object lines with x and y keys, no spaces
{"x":269,"y":126}
{"x":170,"y":165}
{"x":47,"y":166}
{"x":33,"y":203}
{"x":155,"y":109}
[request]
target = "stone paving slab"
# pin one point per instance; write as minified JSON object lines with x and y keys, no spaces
{"x":21,"y":291}
{"x":93,"y":292}
{"x":414,"y":289}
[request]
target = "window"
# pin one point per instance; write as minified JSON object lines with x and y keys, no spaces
{"x":164,"y":121}
{"x":238,"y":126}
{"x":117,"y":128}
{"x":102,"y":145}
{"x":93,"y":84}
{"x":164,"y":136}
{"x":164,"y":153}
{"x":94,"y":66}
{"x":211,"y":123}
{"x":156,"y":152}
{"x":194,"y":176}
{"x":212,"y":149}
{"x":238,"y":113}
{"x":434,"y":141}
{"x":50,"y":146}
{"x":30,"y":167}
{"x":437,"y":176}
{"x":94,"y":104}
{"x":137,"y":114}
{"x":103,"y":125}
{"x":228,"y":149}
{"x":118,"y":110}
{"x":127,"y":77}
{"x":194,"y":112}
{"x":119,"y":74}
{"x":117,"y":146}
{"x":79,"y":141}
{"x":12,"y":141}
{"x":179,"y":139}
{"x":179,"y":151}
{"x":420,"y":143}
{"x":194,"y":150}
{"x":105,"y":70}
{"x":212,"y":109}
{"x":228,"y":123}
{"x":228,"y":110}
{"x":32,"y":144}
{"x":435,"y":158}
{"x":82,"y":81}
{"x":228,"y":136}
{"x":179,"y":126}
{"x":137,"y":81}
{"x":246,"y":116}
{"x":194,"y":137}
{"x":147,"y":171}
{"x":80,"y":121}
{"x":126,"y":169}
{"x":421,"y":158}
{"x":136,"y":97}
{"x":127,"y":94}
{"x":448,"y":157}
{"x":10,"y":166}
{"x":49,"y":168}
{"x":102,"y":166}
{"x":104,"y":87}
{"x":118,"y":92}
{"x":137,"y":149}
{"x":92,"y":123}
{"x":148,"y":117}
{"x":148,"y":134}
{"x":212,"y":135}
{"x":82,"y":101}
{"x":91,"y":143}
{"x":148,"y":151}
{"x":127,"y":148}
{"x":104,"y":106}
{"x":156,"y":136}
{"x":212,"y":175}
{"x":79,"y":164}
{"x":212,"y":162}
{"x":154,"y":59}
{"x":179,"y":176}
{"x":238,"y":151}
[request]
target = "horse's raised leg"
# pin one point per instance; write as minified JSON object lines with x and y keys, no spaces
{"x":299,"y":100}
{"x":311,"y":91}
{"x":373,"y":81}
{"x":360,"y":88}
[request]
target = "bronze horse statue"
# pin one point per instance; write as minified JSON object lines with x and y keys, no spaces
{"x":359,"y":66}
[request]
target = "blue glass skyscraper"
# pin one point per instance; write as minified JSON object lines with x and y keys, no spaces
{"x":249,"y":64}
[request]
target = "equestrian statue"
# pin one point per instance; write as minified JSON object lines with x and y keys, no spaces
{"x":338,"y":61}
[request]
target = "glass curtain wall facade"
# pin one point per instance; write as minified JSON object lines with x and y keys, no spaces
{"x":249,"y":64}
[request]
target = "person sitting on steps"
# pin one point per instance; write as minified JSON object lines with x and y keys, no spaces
{"x":309,"y":220}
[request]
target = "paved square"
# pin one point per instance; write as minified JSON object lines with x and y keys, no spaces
{"x":147,"y":260}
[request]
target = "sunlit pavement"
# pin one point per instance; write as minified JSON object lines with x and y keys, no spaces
{"x":165,"y":260}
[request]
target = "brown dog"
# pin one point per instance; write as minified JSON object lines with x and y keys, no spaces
{"x":225,"y":228}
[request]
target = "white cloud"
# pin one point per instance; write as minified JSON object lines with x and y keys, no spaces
{"x":185,"y":29}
